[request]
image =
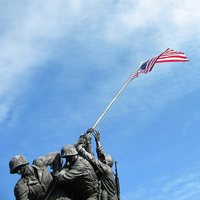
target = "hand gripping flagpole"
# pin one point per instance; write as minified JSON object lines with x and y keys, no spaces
{"x":104,"y":112}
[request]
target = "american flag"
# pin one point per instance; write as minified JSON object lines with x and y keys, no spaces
{"x":167,"y":56}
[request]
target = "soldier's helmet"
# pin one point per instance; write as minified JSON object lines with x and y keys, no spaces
{"x":68,"y":150}
{"x":16,"y":162}
{"x":109,"y":160}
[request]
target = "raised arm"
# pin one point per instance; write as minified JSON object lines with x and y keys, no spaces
{"x":51,"y":159}
{"x":99,"y":148}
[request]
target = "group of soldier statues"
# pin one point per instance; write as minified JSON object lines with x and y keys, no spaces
{"x":81,"y":177}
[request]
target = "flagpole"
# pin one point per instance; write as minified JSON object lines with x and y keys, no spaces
{"x":109,"y":105}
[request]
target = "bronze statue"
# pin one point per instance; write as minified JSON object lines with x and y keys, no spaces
{"x":83,"y":177}
{"x":103,"y":167}
{"x":36,"y":181}
{"x":80,"y":173}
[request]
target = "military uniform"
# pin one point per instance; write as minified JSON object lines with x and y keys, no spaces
{"x":36,"y":180}
{"x":81,"y":174}
{"x":33,"y":184}
{"x":104,"y":173}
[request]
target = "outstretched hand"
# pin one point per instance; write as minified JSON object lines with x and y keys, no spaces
{"x":96,"y":135}
{"x":90,"y":130}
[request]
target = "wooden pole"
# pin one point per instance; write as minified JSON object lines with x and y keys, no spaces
{"x":104,"y":112}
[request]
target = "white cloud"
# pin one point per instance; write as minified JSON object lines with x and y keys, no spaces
{"x":184,"y":187}
{"x":3,"y":113}
{"x":37,"y":26}
{"x":186,"y":14}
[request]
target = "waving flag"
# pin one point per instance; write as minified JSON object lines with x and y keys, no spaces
{"x":167,"y":56}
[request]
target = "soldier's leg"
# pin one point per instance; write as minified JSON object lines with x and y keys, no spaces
{"x":92,"y":197}
{"x":113,"y":198}
{"x":104,"y":195}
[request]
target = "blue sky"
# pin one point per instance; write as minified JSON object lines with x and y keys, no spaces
{"x":62,"y":62}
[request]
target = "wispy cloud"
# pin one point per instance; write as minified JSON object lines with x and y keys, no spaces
{"x":184,"y":187}
{"x":37,"y":27}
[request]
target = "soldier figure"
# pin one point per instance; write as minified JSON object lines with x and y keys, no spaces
{"x":36,"y":181}
{"x":103,"y":167}
{"x":80,"y":173}
{"x":83,"y":177}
